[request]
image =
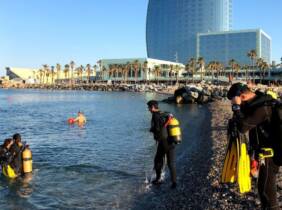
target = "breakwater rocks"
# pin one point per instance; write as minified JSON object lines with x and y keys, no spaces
{"x":204,"y":93}
{"x":200,"y":94}
{"x":160,"y":88}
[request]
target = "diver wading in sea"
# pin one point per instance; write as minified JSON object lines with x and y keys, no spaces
{"x":15,"y":157}
{"x":261,"y":115}
{"x":165,"y":144}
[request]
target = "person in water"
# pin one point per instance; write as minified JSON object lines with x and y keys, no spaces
{"x":5,"y":154}
{"x":16,"y":151}
{"x":165,"y":147}
{"x":80,"y":119}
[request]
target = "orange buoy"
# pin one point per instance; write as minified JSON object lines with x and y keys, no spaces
{"x":71,"y":120}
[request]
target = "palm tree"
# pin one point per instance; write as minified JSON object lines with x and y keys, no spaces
{"x":157,"y":72}
{"x":41,"y":72}
{"x":265,"y":66}
{"x":77,"y":73}
{"x":237,"y":67}
{"x":192,"y":67}
{"x":110,"y":70}
{"x":232,"y":63}
{"x":127,"y":70}
{"x":58,"y":68}
{"x":252,"y":54}
{"x":262,"y":65}
{"x":201,"y":63}
{"x":72,"y":64}
{"x":95,"y":70}
{"x":88,"y":72}
{"x":81,"y":69}
{"x":218,"y":67}
{"x":46,"y":72}
{"x":210,"y":67}
{"x":119,"y":71}
{"x":103,"y":71}
{"x":171,"y":70}
{"x":259,"y":64}
{"x":66,"y":71}
{"x":52,"y":74}
{"x":136,"y":69}
{"x":145,"y":69}
{"x":246,"y":68}
{"x":177,"y":69}
{"x":99,"y":62}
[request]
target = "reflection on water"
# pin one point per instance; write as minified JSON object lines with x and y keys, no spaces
{"x":102,"y":165}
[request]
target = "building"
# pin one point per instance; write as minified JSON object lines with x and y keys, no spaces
{"x":25,"y":74}
{"x":172,"y":26}
{"x":140,"y":69}
{"x":224,"y":46}
{"x":32,"y":75}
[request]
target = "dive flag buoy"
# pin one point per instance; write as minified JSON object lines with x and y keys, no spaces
{"x":71,"y":120}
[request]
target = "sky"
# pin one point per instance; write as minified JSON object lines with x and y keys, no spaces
{"x":36,"y":32}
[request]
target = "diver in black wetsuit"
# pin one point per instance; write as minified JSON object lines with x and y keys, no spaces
{"x":165,"y":148}
{"x":16,"y":151}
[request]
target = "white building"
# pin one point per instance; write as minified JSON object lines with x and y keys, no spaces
{"x":140,"y":69}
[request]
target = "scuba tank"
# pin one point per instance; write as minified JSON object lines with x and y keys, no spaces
{"x":27,"y":160}
{"x":174,"y":130}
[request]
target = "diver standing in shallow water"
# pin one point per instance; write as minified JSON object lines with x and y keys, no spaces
{"x":16,"y":151}
{"x":165,"y":148}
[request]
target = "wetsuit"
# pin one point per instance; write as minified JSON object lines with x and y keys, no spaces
{"x":165,"y":148}
{"x":5,"y":156}
{"x":16,"y":163}
{"x":255,"y":117}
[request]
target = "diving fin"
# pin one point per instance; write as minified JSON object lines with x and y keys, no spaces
{"x":229,"y":171}
{"x":244,"y":177}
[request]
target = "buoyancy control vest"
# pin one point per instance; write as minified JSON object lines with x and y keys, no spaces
{"x":274,"y":131}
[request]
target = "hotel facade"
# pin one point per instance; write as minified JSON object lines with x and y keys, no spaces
{"x":172,"y":26}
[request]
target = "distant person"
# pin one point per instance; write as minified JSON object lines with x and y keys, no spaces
{"x":165,"y":148}
{"x":80,"y":119}
{"x":255,"y":112}
{"x":16,"y":151}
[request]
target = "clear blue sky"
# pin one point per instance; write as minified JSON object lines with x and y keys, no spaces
{"x":35,"y":32}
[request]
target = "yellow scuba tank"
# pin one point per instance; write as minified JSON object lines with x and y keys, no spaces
{"x":174,"y":131}
{"x":27,"y":160}
{"x":8,"y":171}
{"x":272,"y":94}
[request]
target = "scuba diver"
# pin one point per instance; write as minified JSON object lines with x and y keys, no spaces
{"x":165,"y":147}
{"x":16,"y":151}
{"x":255,"y":113}
{"x":6,"y":158}
{"x":5,"y":154}
{"x":15,"y":157}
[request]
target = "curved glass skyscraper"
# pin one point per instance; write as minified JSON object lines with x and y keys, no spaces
{"x":172,"y":26}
